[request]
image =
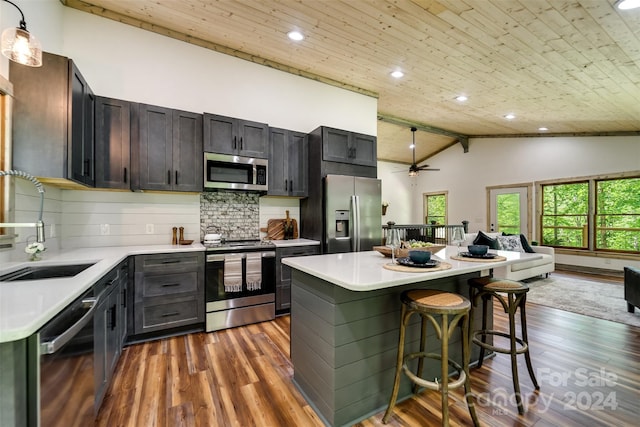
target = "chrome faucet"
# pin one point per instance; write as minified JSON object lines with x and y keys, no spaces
{"x":39,"y":225}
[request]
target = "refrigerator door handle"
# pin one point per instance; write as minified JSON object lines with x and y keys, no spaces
{"x":355,"y":206}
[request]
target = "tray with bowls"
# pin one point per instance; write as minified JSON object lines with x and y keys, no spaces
{"x":406,"y":261}
{"x":404,"y":252}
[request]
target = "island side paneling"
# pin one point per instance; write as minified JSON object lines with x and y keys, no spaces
{"x":344,"y":344}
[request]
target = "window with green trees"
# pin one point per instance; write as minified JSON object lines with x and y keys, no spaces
{"x":595,"y":214}
{"x":435,"y":208}
{"x":617,"y":216}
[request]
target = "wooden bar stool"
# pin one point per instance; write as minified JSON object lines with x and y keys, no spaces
{"x":427,"y":303}
{"x":512,"y":295}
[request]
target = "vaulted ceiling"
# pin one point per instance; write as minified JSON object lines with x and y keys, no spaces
{"x":571,"y":66}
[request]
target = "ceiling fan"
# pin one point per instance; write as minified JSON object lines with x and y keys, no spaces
{"x":414,"y":169}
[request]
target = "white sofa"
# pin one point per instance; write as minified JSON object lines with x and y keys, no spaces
{"x":524,"y":270}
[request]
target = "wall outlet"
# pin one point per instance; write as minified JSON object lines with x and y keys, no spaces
{"x":149,"y":228}
{"x":52,"y":230}
{"x":105,"y":229}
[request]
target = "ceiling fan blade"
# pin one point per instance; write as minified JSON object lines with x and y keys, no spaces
{"x":426,"y":168}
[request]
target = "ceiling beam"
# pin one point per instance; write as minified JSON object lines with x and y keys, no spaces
{"x":558,"y":134}
{"x":461,"y":138}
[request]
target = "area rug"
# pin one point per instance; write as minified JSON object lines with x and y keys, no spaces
{"x":591,"y":298}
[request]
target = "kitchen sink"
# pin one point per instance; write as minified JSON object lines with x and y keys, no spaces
{"x":45,"y":272}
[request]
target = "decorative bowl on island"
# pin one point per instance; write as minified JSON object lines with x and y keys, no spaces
{"x":478,"y":250}
{"x":419,"y":257}
{"x":406,"y":246}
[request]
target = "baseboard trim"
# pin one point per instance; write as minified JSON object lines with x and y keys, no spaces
{"x":589,"y":270}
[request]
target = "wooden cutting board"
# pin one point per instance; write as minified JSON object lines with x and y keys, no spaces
{"x":275,"y":229}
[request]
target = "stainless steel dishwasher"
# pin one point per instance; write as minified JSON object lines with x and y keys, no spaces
{"x":66,"y":377}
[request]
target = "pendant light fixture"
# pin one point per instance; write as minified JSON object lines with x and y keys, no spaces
{"x":21,"y":46}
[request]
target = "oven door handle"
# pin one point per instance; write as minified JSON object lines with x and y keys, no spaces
{"x":52,"y":346}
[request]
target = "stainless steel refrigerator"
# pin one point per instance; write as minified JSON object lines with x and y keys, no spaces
{"x":352,"y":213}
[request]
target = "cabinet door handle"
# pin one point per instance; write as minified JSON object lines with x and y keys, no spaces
{"x":234,"y":144}
{"x":286,"y":188}
{"x":170,"y":314}
{"x":291,"y":186}
{"x":124,"y":298}
{"x":176,"y":181}
{"x":125,"y":175}
{"x":171,"y":261}
{"x":241,"y":143}
{"x":169,"y":177}
{"x":113,"y":316}
{"x":87,"y":165}
{"x":170,"y":285}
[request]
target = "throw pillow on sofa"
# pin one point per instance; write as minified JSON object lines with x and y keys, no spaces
{"x":510,"y":243}
{"x":483,"y":239}
{"x":525,"y":244}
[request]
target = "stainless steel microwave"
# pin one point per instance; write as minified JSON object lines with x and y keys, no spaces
{"x":235,"y":172}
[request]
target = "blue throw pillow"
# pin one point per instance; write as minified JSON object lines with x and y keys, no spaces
{"x":483,"y":239}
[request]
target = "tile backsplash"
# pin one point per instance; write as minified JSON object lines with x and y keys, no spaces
{"x":236,"y":215}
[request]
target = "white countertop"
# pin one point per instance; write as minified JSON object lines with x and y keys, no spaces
{"x":25,"y":306}
{"x":364,"y":271}
{"x":294,"y":242}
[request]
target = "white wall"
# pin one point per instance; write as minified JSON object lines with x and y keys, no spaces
{"x":125,"y":62}
{"x":397,"y":190}
{"x":502,"y":161}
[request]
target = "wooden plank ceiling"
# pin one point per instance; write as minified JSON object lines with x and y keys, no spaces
{"x":572,"y":66}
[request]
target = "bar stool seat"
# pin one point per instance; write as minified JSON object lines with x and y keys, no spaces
{"x":512,"y":296}
{"x":427,"y":303}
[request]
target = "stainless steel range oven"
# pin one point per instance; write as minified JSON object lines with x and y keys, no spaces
{"x":239,"y":284}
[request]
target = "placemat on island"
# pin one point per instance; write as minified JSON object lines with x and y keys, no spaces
{"x":397,"y":267}
{"x":471,"y":259}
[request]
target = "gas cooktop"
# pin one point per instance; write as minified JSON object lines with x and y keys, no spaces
{"x":239,"y":245}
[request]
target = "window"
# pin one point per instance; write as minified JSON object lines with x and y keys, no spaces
{"x":617,"y":217}
{"x":565,"y":215}
{"x":435,"y":208}
{"x":596,"y":214}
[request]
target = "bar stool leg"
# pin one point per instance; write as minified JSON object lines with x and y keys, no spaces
{"x":523,"y":326}
{"x":404,"y":317}
{"x":466,"y":357}
{"x":513,"y":351}
{"x":444,"y":370}
{"x":423,"y":345}
{"x":483,"y":337}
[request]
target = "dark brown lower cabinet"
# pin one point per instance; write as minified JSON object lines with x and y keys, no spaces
{"x":283,"y":273}
{"x":168,"y":291}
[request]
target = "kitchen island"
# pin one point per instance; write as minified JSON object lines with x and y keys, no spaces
{"x":345,"y":315}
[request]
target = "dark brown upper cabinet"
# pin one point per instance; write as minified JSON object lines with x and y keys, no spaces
{"x":53,"y":121}
{"x":228,"y":135}
{"x":113,"y":143}
{"x":167,"y":149}
{"x":288,"y":163}
{"x":348,"y":147}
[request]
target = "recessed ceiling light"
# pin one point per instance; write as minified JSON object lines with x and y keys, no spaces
{"x":461,"y":98}
{"x":295,"y":35}
{"x":397,"y":74}
{"x":543,"y":129}
{"x":627,"y":4}
{"x":510,"y":116}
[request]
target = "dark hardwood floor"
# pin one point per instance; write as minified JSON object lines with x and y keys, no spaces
{"x":588,"y":370}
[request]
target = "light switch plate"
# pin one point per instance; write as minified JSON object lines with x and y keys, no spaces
{"x":105,"y":229}
{"x":150,"y":228}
